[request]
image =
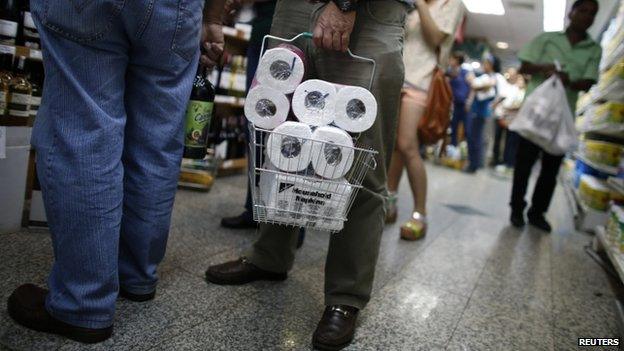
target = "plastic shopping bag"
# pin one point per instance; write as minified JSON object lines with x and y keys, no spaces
{"x":546,"y":120}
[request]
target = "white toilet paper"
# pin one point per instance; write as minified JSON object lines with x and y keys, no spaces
{"x":289,"y":148}
{"x":266,"y":107}
{"x":356,"y":109}
{"x":333,"y":152}
{"x":314,"y":102}
{"x":300,"y":201}
{"x":281,"y":68}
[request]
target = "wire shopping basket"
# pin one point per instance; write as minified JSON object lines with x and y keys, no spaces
{"x":303,"y":198}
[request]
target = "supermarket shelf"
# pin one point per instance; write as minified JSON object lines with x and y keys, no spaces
{"x":616,"y":184}
{"x":602,"y":168}
{"x":611,"y":129}
{"x":235,"y":34}
{"x":616,"y":257}
{"x":231,"y":101}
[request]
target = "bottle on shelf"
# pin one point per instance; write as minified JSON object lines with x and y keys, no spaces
{"x":28,"y":35}
{"x":198,"y":116}
{"x":6,"y":78}
{"x":9,"y":21}
{"x":240,"y":81}
{"x":36,"y":76}
{"x":226,"y":77}
{"x":20,"y":92}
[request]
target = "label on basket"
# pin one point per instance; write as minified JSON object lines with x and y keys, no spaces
{"x":296,"y":200}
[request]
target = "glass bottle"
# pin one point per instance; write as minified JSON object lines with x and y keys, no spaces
{"x":198,"y":116}
{"x":9,"y":19}
{"x":20,"y":92}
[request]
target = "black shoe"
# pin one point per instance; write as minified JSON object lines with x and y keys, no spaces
{"x":242,"y":221}
{"x":136,"y":297}
{"x":26,"y":306}
{"x":517,"y":219}
{"x":540,"y":222}
{"x":240,"y":272}
{"x":336,"y":329}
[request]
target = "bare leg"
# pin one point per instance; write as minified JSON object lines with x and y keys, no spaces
{"x":408,"y":147}
{"x":395,"y":171}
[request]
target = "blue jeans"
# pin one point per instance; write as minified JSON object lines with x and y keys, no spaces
{"x":459,"y":116}
{"x":475,"y":141}
{"x":109,"y":140}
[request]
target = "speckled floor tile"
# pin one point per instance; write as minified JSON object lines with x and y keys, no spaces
{"x":489,"y":326}
{"x":407,"y":314}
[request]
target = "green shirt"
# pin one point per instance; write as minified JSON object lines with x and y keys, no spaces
{"x":579,"y":61}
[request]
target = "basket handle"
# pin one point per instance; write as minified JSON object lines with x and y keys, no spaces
{"x":308,"y":35}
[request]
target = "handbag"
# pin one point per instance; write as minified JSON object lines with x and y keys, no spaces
{"x":434,"y":123}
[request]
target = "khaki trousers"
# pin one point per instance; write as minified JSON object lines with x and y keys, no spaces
{"x":352,"y":255}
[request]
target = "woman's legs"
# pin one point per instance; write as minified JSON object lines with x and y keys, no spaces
{"x":408,"y":149}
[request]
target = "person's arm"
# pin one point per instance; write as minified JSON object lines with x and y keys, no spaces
{"x":212,"y":33}
{"x":333,"y":28}
{"x":431,"y":32}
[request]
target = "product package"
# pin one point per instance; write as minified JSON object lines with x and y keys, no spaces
{"x":333,"y":153}
{"x":356,"y":109}
{"x":314,"y":102}
{"x":266,"y":107}
{"x":281,"y":68}
{"x":289,"y":148}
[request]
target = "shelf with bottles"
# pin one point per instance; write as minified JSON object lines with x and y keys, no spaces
{"x":230,"y":80}
{"x":612,"y":248}
{"x":227,"y":137}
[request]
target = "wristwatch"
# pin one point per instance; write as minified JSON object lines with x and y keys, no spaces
{"x":346,"y":5}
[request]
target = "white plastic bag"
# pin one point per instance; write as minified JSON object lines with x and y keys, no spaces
{"x":546,"y":120}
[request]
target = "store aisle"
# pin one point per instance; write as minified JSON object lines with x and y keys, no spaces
{"x":472,"y":284}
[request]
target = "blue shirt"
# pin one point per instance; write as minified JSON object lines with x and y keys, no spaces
{"x":460,"y":86}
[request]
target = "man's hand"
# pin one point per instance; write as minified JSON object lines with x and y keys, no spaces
{"x":333,"y":28}
{"x":212,"y":44}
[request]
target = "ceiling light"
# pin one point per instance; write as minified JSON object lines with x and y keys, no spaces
{"x":487,"y":7}
{"x":554,"y":15}
{"x":502,"y":45}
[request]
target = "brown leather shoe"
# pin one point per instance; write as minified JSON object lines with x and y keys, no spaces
{"x":336,"y":329}
{"x":240,"y":272}
{"x":26,"y":306}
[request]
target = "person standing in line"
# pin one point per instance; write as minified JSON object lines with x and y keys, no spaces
{"x":458,"y":77}
{"x":579,"y":56}
{"x":371,"y":29}
{"x":109,"y":140}
{"x":504,"y":86}
{"x":510,"y":107}
{"x":429,"y":36}
{"x":482,"y":95}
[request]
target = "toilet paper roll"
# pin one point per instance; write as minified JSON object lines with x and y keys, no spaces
{"x":289,"y":147}
{"x":281,"y":68}
{"x":266,"y":107}
{"x":356,"y":109}
{"x":333,"y":152}
{"x":314,"y":102}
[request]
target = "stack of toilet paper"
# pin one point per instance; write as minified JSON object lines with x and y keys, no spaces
{"x":310,"y":203}
{"x":308,"y":160}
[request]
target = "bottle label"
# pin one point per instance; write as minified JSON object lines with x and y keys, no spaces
{"x":225,"y":80}
{"x":28,"y":21}
{"x":7,"y":49}
{"x":35,"y":101}
{"x":198,"y":116}
{"x":3,"y":102}
{"x":8,"y":28}
{"x":19,"y":105}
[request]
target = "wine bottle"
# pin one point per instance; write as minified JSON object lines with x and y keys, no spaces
{"x":9,"y":19}
{"x":198,"y":116}
{"x":29,"y":35}
{"x":20,"y":92}
{"x":6,"y":78}
{"x":36,"y":74}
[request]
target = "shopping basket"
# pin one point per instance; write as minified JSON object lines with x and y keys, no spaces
{"x":305,"y":199}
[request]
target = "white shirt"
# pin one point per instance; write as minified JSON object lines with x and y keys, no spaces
{"x":419,"y":58}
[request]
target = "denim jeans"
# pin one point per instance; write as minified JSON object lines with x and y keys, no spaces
{"x":459,"y":116}
{"x":476,"y":125}
{"x":109,"y":140}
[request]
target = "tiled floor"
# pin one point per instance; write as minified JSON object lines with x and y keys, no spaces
{"x":472,"y":284}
